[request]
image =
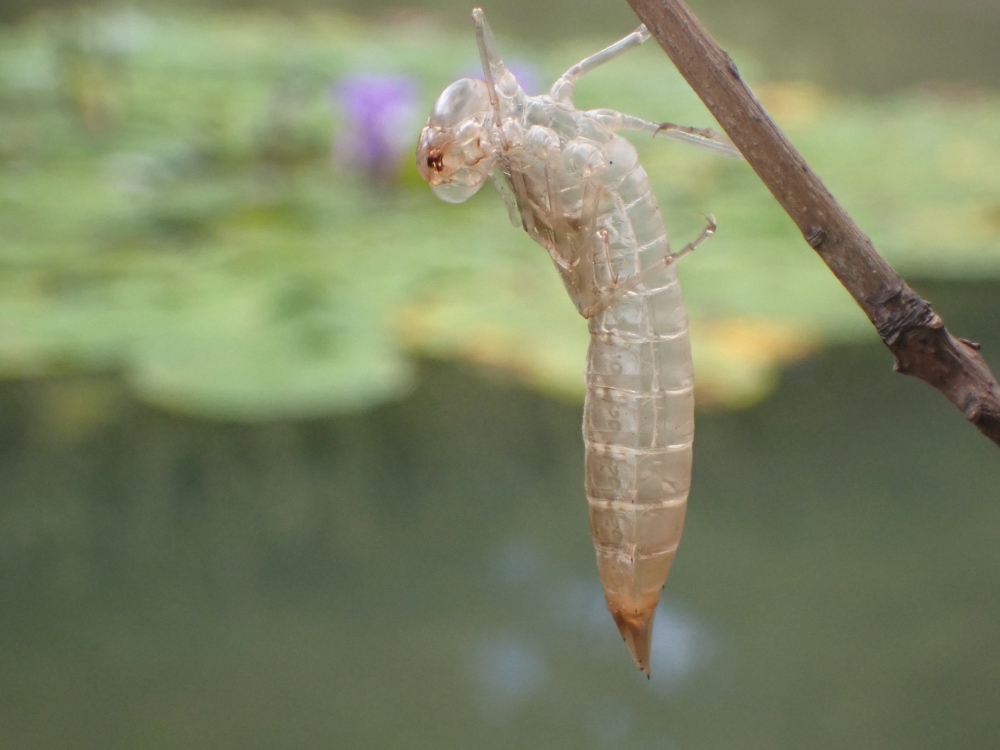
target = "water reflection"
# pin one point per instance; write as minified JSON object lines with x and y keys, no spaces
{"x":576,"y":614}
{"x":612,"y":724}
{"x":509,"y":671}
{"x":422,"y":576}
{"x":681,"y":643}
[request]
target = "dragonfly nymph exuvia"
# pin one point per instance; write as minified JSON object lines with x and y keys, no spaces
{"x":577,"y":188}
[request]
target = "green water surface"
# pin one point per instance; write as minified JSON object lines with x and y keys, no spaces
{"x":421,"y":576}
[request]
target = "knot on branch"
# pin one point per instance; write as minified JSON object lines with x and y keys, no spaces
{"x":816,"y":236}
{"x":985,"y":415}
{"x":909,"y":313}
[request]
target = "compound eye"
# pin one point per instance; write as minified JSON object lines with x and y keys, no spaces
{"x":465,"y":98}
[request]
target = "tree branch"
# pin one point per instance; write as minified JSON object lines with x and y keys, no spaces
{"x":912,"y":331}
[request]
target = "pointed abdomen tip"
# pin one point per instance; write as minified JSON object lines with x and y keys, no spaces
{"x":634,"y":618}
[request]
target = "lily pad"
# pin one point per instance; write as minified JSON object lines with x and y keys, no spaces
{"x":172,"y":209}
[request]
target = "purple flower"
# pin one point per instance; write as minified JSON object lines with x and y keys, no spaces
{"x":377,"y":114}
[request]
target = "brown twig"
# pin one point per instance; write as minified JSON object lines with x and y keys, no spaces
{"x":912,"y":331}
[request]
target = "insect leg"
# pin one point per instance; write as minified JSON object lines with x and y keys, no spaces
{"x":633,"y":282}
{"x":562,"y":89}
{"x":707,"y":232}
{"x":606,"y":242}
{"x":493,"y":67}
{"x":705,"y":138}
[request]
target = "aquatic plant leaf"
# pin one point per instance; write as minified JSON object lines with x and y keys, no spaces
{"x":171,"y":210}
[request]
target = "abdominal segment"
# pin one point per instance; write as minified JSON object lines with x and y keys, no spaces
{"x":638,"y":429}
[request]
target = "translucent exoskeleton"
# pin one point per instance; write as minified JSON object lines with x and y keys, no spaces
{"x":577,"y":188}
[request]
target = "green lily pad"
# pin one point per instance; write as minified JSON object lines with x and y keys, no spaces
{"x":171,"y":210}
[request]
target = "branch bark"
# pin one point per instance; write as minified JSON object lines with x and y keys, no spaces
{"x":907,"y":325}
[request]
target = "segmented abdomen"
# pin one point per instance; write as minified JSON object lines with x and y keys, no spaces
{"x":638,"y":429}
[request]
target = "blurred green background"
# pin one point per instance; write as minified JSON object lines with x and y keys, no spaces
{"x":289,"y":450}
